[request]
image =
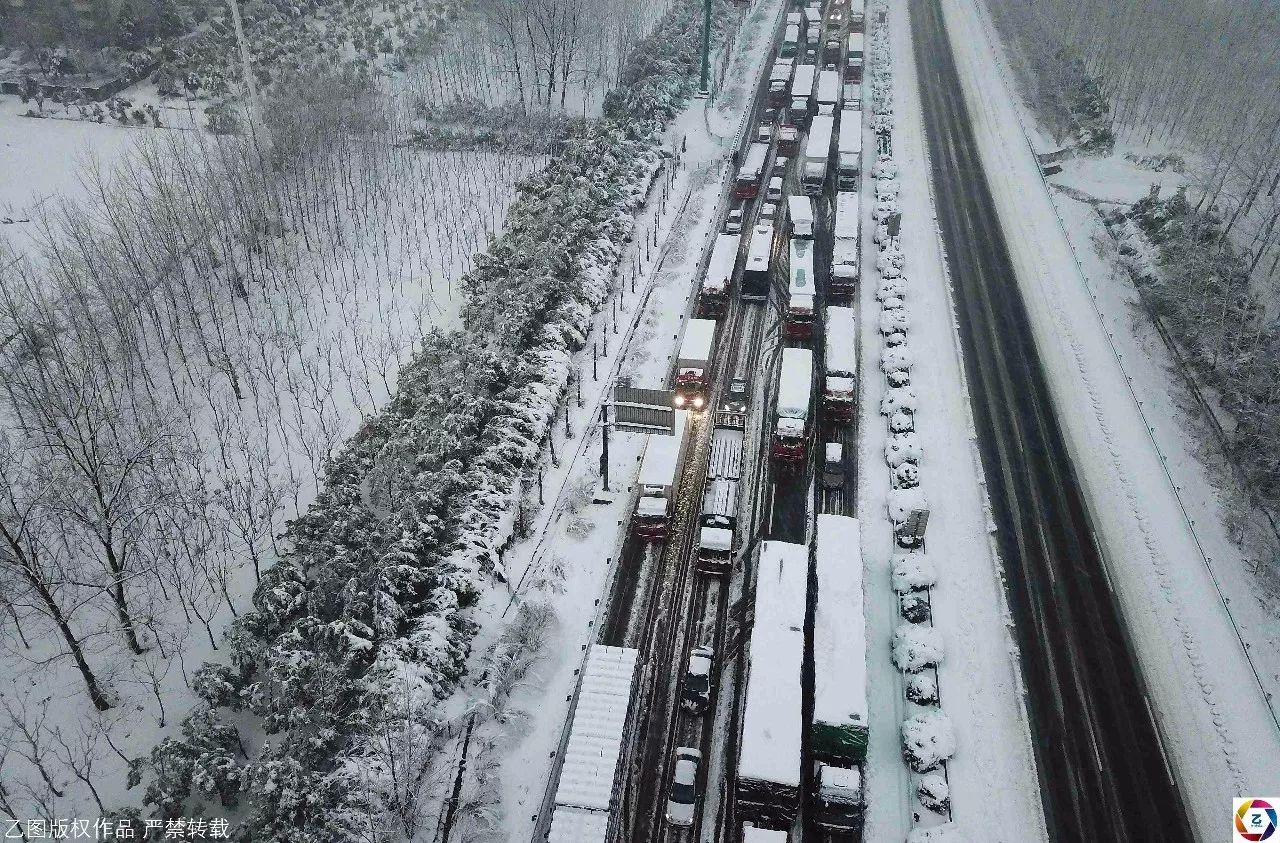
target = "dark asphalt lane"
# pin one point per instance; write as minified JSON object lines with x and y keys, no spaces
{"x":1103,"y":775}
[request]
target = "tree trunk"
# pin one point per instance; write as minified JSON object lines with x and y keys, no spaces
{"x":117,"y":594}
{"x":73,"y":644}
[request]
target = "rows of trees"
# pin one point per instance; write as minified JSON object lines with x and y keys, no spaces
{"x":188,"y":352}
{"x":354,"y":653}
{"x":1194,"y":87}
{"x":183,"y":353}
{"x":127,"y":24}
{"x":1180,"y":76}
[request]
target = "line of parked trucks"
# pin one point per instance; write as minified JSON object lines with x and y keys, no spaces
{"x":769,"y":770}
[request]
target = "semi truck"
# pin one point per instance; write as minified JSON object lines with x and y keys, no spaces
{"x":790,"y":41}
{"x":817,"y":149}
{"x":800,"y":210}
{"x":720,"y":499}
{"x":791,"y":417}
{"x":660,"y":470}
{"x":854,"y":57}
{"x":839,"y":732}
{"x":747,"y":184}
{"x":849,"y":150}
{"x":768,"y":780}
{"x":840,"y":364}
{"x":801,"y":94}
{"x":693,"y":364}
{"x":756,"y":275}
{"x":844,"y":251}
{"x":828,"y":91}
{"x":857,"y":15}
{"x":798,"y":321}
{"x":713,"y":301}
{"x":584,"y":796}
{"x":780,"y":84}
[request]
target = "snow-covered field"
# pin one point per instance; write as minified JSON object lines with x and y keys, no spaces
{"x":308,"y":349}
{"x":1217,"y":728}
{"x":992,"y":776}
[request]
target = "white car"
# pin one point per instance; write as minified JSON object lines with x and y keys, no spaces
{"x":733,"y":222}
{"x":768,"y":213}
{"x":683,"y":796}
{"x":696,"y":694}
{"x":774,"y":193}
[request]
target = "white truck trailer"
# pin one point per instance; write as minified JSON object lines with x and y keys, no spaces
{"x":798,"y":318}
{"x":840,"y":364}
{"x":747,"y":183}
{"x":757,"y":275}
{"x":768,"y":780}
{"x":845,"y":258}
{"x":800,"y":210}
{"x":720,"y":501}
{"x":838,"y":737}
{"x":713,"y":302}
{"x":584,"y":798}
{"x":801,"y":94}
{"x":694,"y":363}
{"x":659,"y":479}
{"x":828,"y":91}
{"x":791,"y":412}
{"x":849,"y":151}
{"x":817,"y":150}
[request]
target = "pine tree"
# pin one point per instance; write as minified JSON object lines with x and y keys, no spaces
{"x":126,"y":34}
{"x":168,"y":20}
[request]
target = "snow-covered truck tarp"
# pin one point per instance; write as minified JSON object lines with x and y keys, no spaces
{"x":768,"y":783}
{"x":724,"y":255}
{"x":578,"y":825}
{"x":590,"y":762}
{"x":842,"y":343}
{"x":840,"y":722}
{"x":795,"y":383}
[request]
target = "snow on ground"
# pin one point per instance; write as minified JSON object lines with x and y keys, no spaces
{"x":1114,"y":179}
{"x":1221,"y":737}
{"x":994,"y":788}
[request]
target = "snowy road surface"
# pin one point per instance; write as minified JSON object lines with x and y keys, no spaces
{"x":1216,"y":728}
{"x":1101,"y":763}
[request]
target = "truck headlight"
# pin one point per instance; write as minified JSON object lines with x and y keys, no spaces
{"x":679,"y":401}
{"x":698,"y":402}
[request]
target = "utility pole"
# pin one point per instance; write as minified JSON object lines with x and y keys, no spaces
{"x":244,"y":53}
{"x":704,"y":80}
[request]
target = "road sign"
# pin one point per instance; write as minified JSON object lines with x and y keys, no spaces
{"x":894,"y":224}
{"x":644,"y":410}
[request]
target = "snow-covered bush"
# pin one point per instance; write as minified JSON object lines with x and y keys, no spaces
{"x":927,"y":741}
{"x":891,"y":257}
{"x":906,"y":476}
{"x":901,"y":422}
{"x":902,"y":400}
{"x":893,"y":339}
{"x":903,"y":447}
{"x":933,"y":793}
{"x":922,"y":688}
{"x":881,"y":234}
{"x":885,"y":208}
{"x":901,"y":503}
{"x":892,"y":287}
{"x":896,"y":358}
{"x":913,"y":572}
{"x":898,"y":378}
{"x":887,"y":190}
{"x":895,"y":320}
{"x":882,"y":123}
{"x":892,"y":303}
{"x":914,"y":608}
{"x":884,"y":168}
{"x":916,"y":647}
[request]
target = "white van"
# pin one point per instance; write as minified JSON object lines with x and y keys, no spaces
{"x":774,"y":193}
